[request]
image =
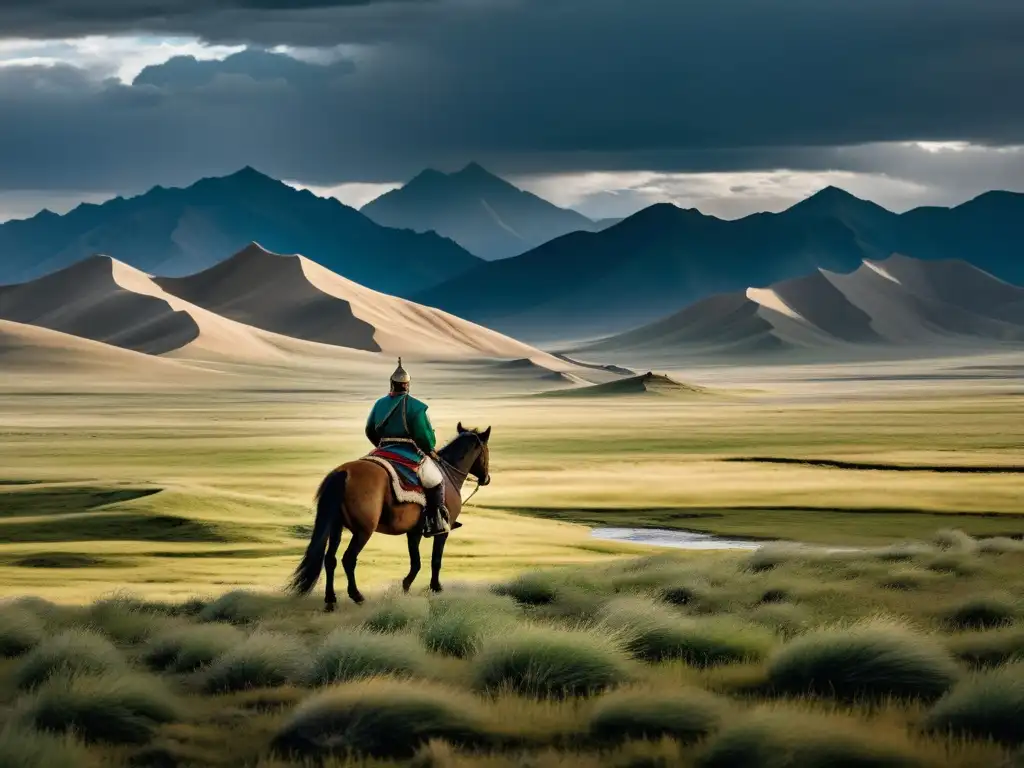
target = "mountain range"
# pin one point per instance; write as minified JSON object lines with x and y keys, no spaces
{"x":896,"y":302}
{"x":480,"y":211}
{"x":174,"y":232}
{"x":590,"y":284}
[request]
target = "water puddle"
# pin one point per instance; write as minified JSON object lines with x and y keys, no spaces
{"x":664,"y":537}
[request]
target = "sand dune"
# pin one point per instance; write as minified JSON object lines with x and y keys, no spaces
{"x":31,"y":349}
{"x":105,"y":300}
{"x":296,"y":297}
{"x":893,"y":302}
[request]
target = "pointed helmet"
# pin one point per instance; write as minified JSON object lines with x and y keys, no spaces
{"x":400,"y":376}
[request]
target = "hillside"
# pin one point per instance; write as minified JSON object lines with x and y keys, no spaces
{"x":898,"y":301}
{"x":175,"y":232}
{"x":296,"y":297}
{"x":587,"y":284}
{"x":482,"y":212}
{"x":649,"y":383}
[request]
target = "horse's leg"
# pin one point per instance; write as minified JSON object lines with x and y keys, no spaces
{"x":331,"y":562}
{"x":435,"y":562}
{"x":414,"y":537}
{"x":348,"y":561}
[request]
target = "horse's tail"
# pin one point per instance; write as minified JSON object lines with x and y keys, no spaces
{"x":329,"y":499}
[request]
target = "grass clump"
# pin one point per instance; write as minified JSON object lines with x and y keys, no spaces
{"x":381,"y":718}
{"x":23,"y":747}
{"x":953,"y":562}
{"x":73,"y":652}
{"x":989,"y":705}
{"x":396,"y":614}
{"x":264,"y":660}
{"x":687,"y":716}
{"x":189,"y":648}
{"x":121,"y":709}
{"x":653,"y":634}
{"x":20,"y":631}
{"x":871,"y":661}
{"x":771,"y":556}
{"x":529,"y":589}
{"x":1000,"y":545}
{"x":124,"y":619}
{"x":954,"y":540}
{"x":902,"y":552}
{"x":550,"y":663}
{"x":239,"y":607}
{"x":987,"y":649}
{"x":794,"y":740}
{"x":458,"y":627}
{"x":349,"y":655}
{"x":981,"y":612}
{"x":906,"y":580}
{"x":782,"y":618}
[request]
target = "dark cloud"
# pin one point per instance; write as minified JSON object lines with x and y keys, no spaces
{"x":525,"y":86}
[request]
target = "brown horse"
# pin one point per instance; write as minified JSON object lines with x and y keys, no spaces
{"x":358,"y":496}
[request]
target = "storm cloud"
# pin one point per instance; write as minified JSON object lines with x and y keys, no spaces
{"x":527,"y":87}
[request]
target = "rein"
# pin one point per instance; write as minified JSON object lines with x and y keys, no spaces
{"x":465,"y":475}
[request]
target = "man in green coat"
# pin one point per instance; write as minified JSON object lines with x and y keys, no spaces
{"x":399,"y":418}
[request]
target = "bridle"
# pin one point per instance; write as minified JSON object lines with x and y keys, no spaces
{"x":451,"y":468}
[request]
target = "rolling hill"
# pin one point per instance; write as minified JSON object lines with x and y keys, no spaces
{"x":175,"y":232}
{"x":898,"y":301}
{"x":591,"y":284}
{"x":480,"y":211}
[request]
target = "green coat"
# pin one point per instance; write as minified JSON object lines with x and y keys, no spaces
{"x":401,"y":416}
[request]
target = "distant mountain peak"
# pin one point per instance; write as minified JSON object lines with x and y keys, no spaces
{"x":477,"y":172}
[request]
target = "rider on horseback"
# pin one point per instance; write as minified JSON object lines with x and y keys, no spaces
{"x":399,"y":418}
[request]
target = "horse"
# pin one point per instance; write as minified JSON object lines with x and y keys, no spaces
{"x":358,"y":496}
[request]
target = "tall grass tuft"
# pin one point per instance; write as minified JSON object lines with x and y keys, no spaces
{"x":349,"y":655}
{"x":906,"y":579}
{"x":186,"y":649}
{"x":954,"y":540}
{"x":73,"y":652}
{"x":550,"y":663}
{"x":953,"y":562}
{"x":124,"y":619}
{"x":794,"y":740}
{"x":981,"y":612}
{"x":686,"y":716}
{"x":1001,"y":545}
{"x":989,"y":705}
{"x":870,"y":661}
{"x":782,"y":618}
{"x":23,"y":747}
{"x":264,"y":660}
{"x":771,"y":556}
{"x":122,"y":709}
{"x":529,"y":589}
{"x":240,"y":607}
{"x":651,"y":633}
{"x":987,"y":649}
{"x":457,"y":627}
{"x":381,"y":718}
{"x":397,"y":613}
{"x":20,"y":631}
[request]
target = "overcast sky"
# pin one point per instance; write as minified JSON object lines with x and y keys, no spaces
{"x":731,"y":106}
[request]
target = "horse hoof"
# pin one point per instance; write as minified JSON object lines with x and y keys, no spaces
{"x":436,"y":588}
{"x":405,"y":587}
{"x":328,"y":607}
{"x":357,"y":598}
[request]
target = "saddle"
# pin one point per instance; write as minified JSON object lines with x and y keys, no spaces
{"x":402,"y":460}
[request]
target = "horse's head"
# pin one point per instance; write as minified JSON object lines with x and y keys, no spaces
{"x":481,"y":468}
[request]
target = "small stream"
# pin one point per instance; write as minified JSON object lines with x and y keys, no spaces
{"x":664,"y":537}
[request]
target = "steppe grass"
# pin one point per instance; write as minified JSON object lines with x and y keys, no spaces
{"x":20,"y":630}
{"x":988,"y":705}
{"x":263,"y":660}
{"x":397,"y":613}
{"x":190,"y":647}
{"x":72,"y":652}
{"x":686,"y":716}
{"x":348,"y":655}
{"x":24,"y":747}
{"x":982,"y":612}
{"x":458,"y":625}
{"x":989,"y":648}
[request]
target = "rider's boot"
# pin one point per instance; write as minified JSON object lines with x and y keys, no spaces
{"x":435,"y":516}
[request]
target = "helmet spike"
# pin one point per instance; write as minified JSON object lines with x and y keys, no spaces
{"x":400,"y":376}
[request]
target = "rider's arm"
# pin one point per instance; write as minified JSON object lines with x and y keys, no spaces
{"x":371,"y":430}
{"x":423,"y":432}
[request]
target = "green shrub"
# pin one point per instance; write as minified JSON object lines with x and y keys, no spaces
{"x":457,"y":627}
{"x":1000,"y":545}
{"x":186,"y":649}
{"x":873,"y":661}
{"x":955,"y":540}
{"x":651,"y":633}
{"x":240,"y":607}
{"x":989,"y":705}
{"x":550,"y":663}
{"x":20,"y":631}
{"x":986,"y":649}
{"x":686,"y":716}
{"x":349,"y":655}
{"x":381,"y":718}
{"x":22,"y":747}
{"x":397,"y":613}
{"x":529,"y":589}
{"x":981,"y":612}
{"x":795,"y":740}
{"x":123,"y":709}
{"x":264,"y":660}
{"x":73,"y":652}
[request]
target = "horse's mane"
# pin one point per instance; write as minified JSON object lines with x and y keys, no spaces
{"x":450,"y":447}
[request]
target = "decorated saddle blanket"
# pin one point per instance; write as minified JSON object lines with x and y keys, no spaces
{"x":402,"y":462}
